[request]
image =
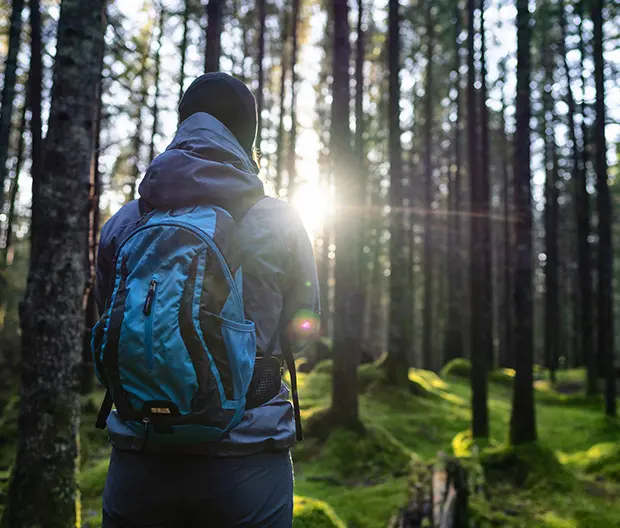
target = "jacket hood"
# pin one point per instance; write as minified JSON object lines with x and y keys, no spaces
{"x":204,"y":164}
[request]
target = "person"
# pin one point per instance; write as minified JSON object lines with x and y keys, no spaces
{"x":245,"y":479}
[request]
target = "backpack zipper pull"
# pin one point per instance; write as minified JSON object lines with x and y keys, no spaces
{"x":148,"y":302}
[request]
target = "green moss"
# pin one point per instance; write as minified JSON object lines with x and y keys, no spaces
{"x":92,"y":480}
{"x":503,"y":377}
{"x":527,"y":466}
{"x":459,"y":368}
{"x":312,"y":513}
{"x":323,"y":367}
{"x":365,"y":456}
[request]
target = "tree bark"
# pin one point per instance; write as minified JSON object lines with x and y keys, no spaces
{"x":522,"y":420}
{"x":183,"y":50}
{"x":396,"y":364}
{"x":214,"y":35}
{"x":479,"y":351}
{"x":8,"y":90}
{"x":87,"y":377}
{"x":348,"y":309}
{"x":35,"y":89}
{"x":454,"y":333}
{"x":260,"y":94}
{"x":43,"y":488}
{"x":429,"y":272}
{"x":605,"y":220}
{"x":155,"y":108}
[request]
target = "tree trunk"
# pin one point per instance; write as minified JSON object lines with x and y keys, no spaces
{"x":183,"y":50}
{"x":292,"y":156}
{"x":507,"y":311}
{"x":260,"y":94}
{"x":280,"y":150}
{"x":214,"y":35}
{"x":8,"y":90}
{"x":429,"y":235}
{"x":155,"y":108}
{"x":605,"y":220}
{"x":396,"y":363}
{"x":348,"y":309}
{"x":35,"y":89}
{"x":43,"y":488}
{"x":454,"y":334}
{"x":552,"y":306}
{"x":14,"y":189}
{"x":359,"y":86}
{"x":140,"y":103}
{"x":87,"y":377}
{"x":522,"y":420}
{"x":479,"y":351}
{"x":578,"y":177}
{"x":584,"y":250}
{"x":483,"y":220}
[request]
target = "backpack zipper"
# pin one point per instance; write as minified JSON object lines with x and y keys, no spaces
{"x":148,"y":327}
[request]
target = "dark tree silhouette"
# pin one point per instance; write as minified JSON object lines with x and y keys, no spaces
{"x":14,"y":189}
{"x":605,"y":220}
{"x":183,"y":48}
{"x":155,"y":107}
{"x":522,"y":420}
{"x":214,"y":35}
{"x":8,"y":90}
{"x":552,"y":306}
{"x":429,"y":235}
{"x":292,"y":143}
{"x":348,"y":309}
{"x":280,"y":150}
{"x":454,"y":332}
{"x":43,"y":488}
{"x":260,"y":94}
{"x":35,"y":89}
{"x":479,"y":350}
{"x":396,"y":363}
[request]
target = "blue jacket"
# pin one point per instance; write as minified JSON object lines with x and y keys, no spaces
{"x":205,"y":164}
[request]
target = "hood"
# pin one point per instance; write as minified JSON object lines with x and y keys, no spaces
{"x":204,"y":164}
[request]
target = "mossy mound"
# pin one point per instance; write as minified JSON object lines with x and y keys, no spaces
{"x":503,"y":377}
{"x":367,"y":456}
{"x":459,"y":368}
{"x":312,"y":513}
{"x":526,"y":467}
{"x":603,"y":459}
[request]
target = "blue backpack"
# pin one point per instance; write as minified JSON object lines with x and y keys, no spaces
{"x":173,"y":347}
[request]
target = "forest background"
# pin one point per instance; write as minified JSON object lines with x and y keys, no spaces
{"x":456,"y":165}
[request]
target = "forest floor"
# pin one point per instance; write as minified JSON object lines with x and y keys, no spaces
{"x":570,"y":479}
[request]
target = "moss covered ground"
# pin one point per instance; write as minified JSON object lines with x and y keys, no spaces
{"x":570,"y":479}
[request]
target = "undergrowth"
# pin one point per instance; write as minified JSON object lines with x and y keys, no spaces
{"x":571,"y":478}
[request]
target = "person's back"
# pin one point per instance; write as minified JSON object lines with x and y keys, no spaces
{"x":244,"y":479}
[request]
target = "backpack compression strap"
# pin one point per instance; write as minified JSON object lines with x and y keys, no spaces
{"x":287,"y":354}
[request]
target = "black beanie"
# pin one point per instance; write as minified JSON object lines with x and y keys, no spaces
{"x":228,"y":100}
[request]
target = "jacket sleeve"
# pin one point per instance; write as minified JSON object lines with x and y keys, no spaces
{"x":301,"y":296}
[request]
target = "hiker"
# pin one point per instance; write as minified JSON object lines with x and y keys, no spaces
{"x":168,"y":468}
